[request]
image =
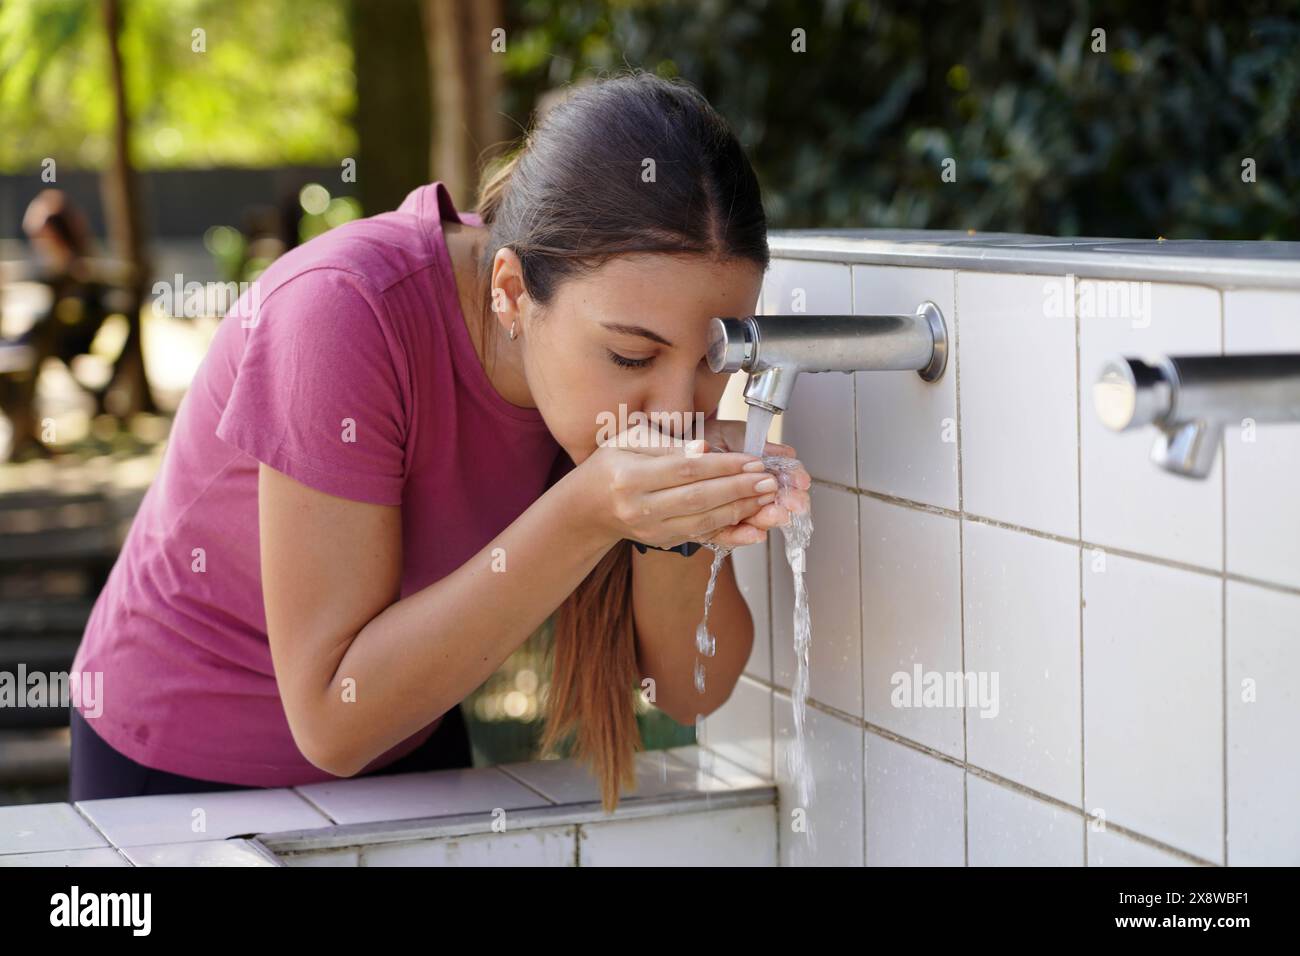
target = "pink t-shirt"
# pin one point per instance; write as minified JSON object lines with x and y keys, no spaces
{"x":356,"y":375}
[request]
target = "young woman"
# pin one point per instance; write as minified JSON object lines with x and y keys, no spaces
{"x":387,"y":475}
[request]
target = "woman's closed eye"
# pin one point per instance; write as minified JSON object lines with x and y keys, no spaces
{"x":625,"y":362}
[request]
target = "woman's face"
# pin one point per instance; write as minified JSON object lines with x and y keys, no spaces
{"x":632,"y":333}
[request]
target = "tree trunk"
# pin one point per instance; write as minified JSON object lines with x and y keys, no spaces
{"x":128,"y":389}
{"x":392,"y":117}
{"x":465,"y":76}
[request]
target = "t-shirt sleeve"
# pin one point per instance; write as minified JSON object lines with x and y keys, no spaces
{"x":316,"y":393}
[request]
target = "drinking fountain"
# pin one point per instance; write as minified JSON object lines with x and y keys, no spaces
{"x":776,"y":349}
{"x":1190,"y":398}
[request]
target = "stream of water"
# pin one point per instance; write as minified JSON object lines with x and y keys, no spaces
{"x":797,"y":535}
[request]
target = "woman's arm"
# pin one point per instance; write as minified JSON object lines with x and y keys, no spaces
{"x":668,"y":604}
{"x":359,"y":671}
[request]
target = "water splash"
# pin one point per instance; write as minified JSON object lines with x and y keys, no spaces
{"x":705,"y":642}
{"x":797,"y":536}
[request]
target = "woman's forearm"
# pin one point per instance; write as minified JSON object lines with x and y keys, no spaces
{"x":423,"y":654}
{"x":668,"y":604}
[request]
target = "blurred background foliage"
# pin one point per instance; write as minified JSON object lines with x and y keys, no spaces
{"x":1144,"y":139}
{"x":274,"y":85}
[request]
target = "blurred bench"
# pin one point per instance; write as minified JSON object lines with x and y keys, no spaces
{"x":56,"y":551}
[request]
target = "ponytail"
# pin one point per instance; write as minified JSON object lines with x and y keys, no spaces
{"x":495,"y":181}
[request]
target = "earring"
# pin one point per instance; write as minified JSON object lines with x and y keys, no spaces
{"x":513,"y":333}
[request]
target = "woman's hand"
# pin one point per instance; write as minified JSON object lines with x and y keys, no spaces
{"x":727,"y":435}
{"x":663,"y":492}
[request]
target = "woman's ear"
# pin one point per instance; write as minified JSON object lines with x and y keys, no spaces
{"x":508,"y":291}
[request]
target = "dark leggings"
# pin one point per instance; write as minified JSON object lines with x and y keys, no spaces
{"x":97,"y":771}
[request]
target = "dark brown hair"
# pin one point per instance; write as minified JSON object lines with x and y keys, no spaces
{"x":568,"y":198}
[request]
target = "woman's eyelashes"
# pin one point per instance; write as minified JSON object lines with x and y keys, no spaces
{"x":625,"y":362}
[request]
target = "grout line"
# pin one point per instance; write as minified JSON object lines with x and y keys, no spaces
{"x":524,"y":783}
{"x":927,"y":750}
{"x":1063,"y":539}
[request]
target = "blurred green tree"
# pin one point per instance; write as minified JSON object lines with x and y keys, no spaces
{"x":264,"y":84}
{"x":1048,"y":136}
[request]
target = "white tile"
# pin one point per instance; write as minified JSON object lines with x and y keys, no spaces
{"x":658,"y":773}
{"x":1263,"y":520}
{"x":1009,"y":828}
{"x":1107,"y":848}
{"x":1019,"y":402}
{"x":827,"y":831}
{"x":741,"y":729}
{"x":1153,"y":701}
{"x":1263,"y":715}
{"x":1021,"y":619}
{"x":538,"y":846}
{"x":407,"y":796}
{"x":41,"y":827}
{"x":715,"y":772}
{"x":1129,"y":502}
{"x":750,"y":564}
{"x":200,"y":853}
{"x":743,"y":836}
{"x":911,"y":616}
{"x":832,"y":580}
{"x":906,"y":426}
{"x":194,"y":817}
{"x":97,"y":856}
{"x":819,"y":421}
{"x":914,"y":807}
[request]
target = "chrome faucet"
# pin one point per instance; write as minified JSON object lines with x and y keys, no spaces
{"x":1191,"y":398}
{"x":774,"y":349}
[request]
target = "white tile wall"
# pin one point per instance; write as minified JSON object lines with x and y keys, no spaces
{"x":907,"y":427}
{"x":911,"y":617}
{"x":1021,"y":620}
{"x":1263,"y":513}
{"x":1010,"y":828}
{"x":1121,"y":607}
{"x":1108,"y":848}
{"x":1263,"y":717}
{"x":1153,"y":701}
{"x":1018,"y":395}
{"x":914,"y":809}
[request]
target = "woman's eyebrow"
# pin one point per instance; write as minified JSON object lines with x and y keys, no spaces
{"x":637,"y":330}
